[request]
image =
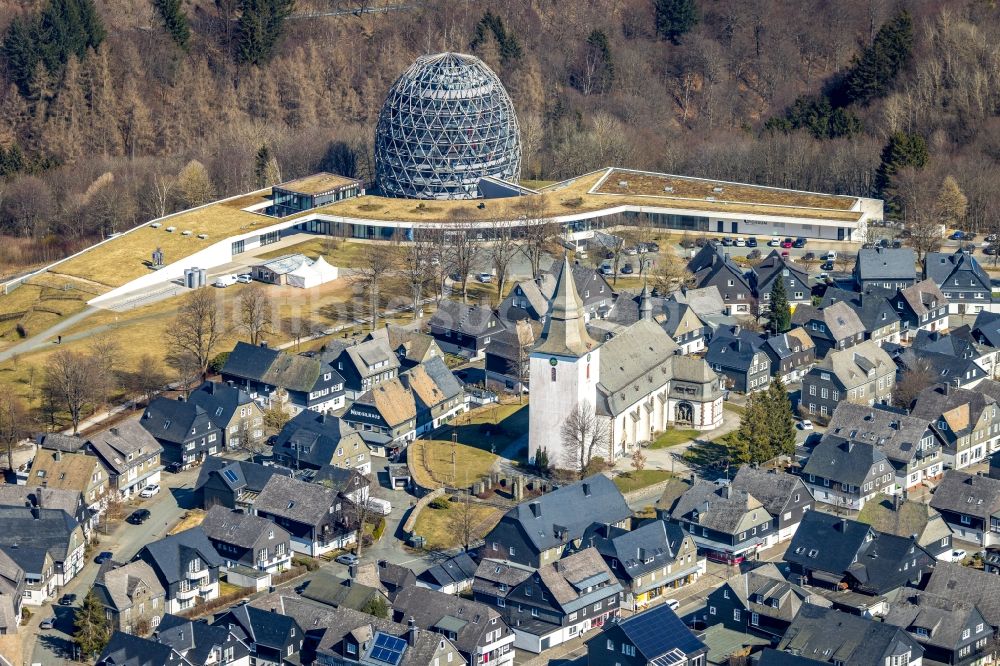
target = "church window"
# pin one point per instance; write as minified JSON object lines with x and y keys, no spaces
{"x":553,"y":373}
{"x":588,"y":371}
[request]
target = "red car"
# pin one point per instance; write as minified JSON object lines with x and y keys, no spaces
{"x":787,"y":243}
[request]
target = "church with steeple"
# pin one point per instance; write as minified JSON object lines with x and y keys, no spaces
{"x":637,"y":380}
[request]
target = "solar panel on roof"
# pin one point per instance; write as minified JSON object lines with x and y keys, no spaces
{"x":388,"y":649}
{"x":229,"y":474}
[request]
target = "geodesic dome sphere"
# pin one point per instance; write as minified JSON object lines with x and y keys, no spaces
{"x":446,"y":123}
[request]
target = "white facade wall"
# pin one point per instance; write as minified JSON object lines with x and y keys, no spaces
{"x":575,"y":383}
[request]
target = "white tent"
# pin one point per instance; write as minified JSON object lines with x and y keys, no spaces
{"x":312,"y":274}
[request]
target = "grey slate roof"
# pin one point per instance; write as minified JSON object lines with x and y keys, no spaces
{"x":960,"y":583}
{"x":896,"y":435}
{"x":942,"y":618}
{"x":471,"y":320}
{"x":960,"y":408}
{"x":52,"y":529}
{"x":312,"y":438}
{"x":246,"y":476}
{"x":457,"y":569}
{"x":827,"y":543}
{"x":59,"y":442}
{"x":50,"y":498}
{"x":940,"y":266}
{"x":238,"y":528}
{"x":564,"y":580}
{"x":338,"y":592}
{"x":195,"y":640}
{"x":773,"y":488}
{"x":766,"y":272}
{"x":220,"y":400}
{"x":117,"y":583}
{"x":905,"y":518}
{"x":306,"y":503}
{"x":172,"y":420}
{"x":261,"y":627}
{"x":113,"y":446}
{"x":923,"y":296}
{"x":497,"y":577}
{"x":733,"y":347}
{"x":831,"y":636}
{"x":840,"y":318}
{"x":872,"y":307}
{"x":572,"y":508}
{"x":277,"y":368}
{"x":886,"y":263}
{"x":851,"y":365}
{"x":758,"y":588}
{"x":726,"y":509}
{"x":429,"y":607}
{"x":705,"y":302}
{"x":843,"y":460}
{"x":129,"y":650}
{"x":169,"y":555}
{"x":970,"y":494}
{"x":656,"y":540}
{"x":986,"y":328}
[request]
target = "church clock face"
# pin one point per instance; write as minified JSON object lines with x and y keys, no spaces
{"x":588,"y":358}
{"x":553,"y":361}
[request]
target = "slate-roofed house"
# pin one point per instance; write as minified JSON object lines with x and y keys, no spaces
{"x":411,"y":347}
{"x":951,"y":632}
{"x":438,"y":394}
{"x":453,"y":576}
{"x":765,"y":275}
{"x":36,"y":569}
{"x":363,"y":365}
{"x":12,"y":587}
{"x":346,"y":636}
{"x":921,"y":307}
{"x":187,"y":566}
{"x":233,"y":484}
{"x":783,"y":495}
{"x":308,"y":382}
{"x":49,"y":498}
{"x":56,"y":441}
{"x":530,"y":299}
{"x":760,"y":602}
{"x":945,"y":368}
{"x":705,"y":302}
{"x":125,"y":649}
{"x":839,"y":553}
{"x":727,"y":522}
{"x":885,"y":268}
{"x":327,"y":588}
{"x":771,"y":657}
{"x":561,"y":601}
{"x":832,"y":637}
{"x":243,"y":539}
{"x":985,"y":332}
{"x":881,"y":320}
{"x":846,"y":473}
{"x":679,"y":320}
{"x":392,"y":577}
{"x":237,"y":414}
{"x":130,"y":455}
{"x":479,"y":632}
{"x":907,"y":441}
{"x":864,"y":374}
{"x":507,"y":356}
{"x":133,"y":597}
{"x":970,"y":504}
{"x":834,"y":328}
{"x":76,"y":472}
{"x":388,"y":410}
{"x":905,"y":518}
{"x":960,"y":343}
{"x":272,"y":639}
{"x":311,"y":440}
{"x":318,"y":518}
{"x":52,"y":529}
{"x":538,"y":531}
{"x":957,"y":582}
{"x":964,"y":283}
{"x":739,"y":356}
{"x":656,"y":637}
{"x":711,"y":268}
{"x":201,"y":644}
{"x":185,"y":430}
{"x":966,"y":421}
{"x":650,"y":560}
{"x":464,"y":330}
{"x":791,"y":354}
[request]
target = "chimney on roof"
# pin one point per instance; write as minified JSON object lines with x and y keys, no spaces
{"x":263,"y":343}
{"x":736,"y":330}
{"x":536,"y":509}
{"x":57,"y":455}
{"x":412,"y":631}
{"x":586,"y":489}
{"x":273,"y":609}
{"x":114,"y":431}
{"x":843,"y":524}
{"x":36,"y":513}
{"x":38,"y":497}
{"x":180,"y":398}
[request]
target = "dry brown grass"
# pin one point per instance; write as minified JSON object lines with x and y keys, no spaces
{"x":192,"y":518}
{"x":437,"y":526}
{"x":433,"y":465}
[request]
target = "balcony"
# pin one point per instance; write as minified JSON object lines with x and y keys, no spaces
{"x":189,"y":593}
{"x":197,"y":575}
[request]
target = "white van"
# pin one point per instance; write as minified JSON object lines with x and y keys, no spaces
{"x":225,"y":280}
{"x":380,"y":506}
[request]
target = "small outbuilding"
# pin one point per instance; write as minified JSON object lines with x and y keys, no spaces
{"x":296,"y":270}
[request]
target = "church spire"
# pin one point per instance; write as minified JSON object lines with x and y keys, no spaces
{"x":565,"y":331}
{"x":645,"y":302}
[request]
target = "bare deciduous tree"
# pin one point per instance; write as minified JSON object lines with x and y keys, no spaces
{"x":376,"y":260}
{"x":194,"y":334}
{"x":584,"y":434}
{"x":917,"y":376}
{"x":361,"y":511}
{"x":70,"y":379}
{"x":147,"y":379}
{"x":255,"y":312}
{"x":536,"y":230}
{"x":105,"y":351}
{"x":462,"y":520}
{"x":466,"y":248}
{"x":416,"y":258}
{"x":502,"y":251}
{"x":14,"y":423}
{"x":518,"y":365}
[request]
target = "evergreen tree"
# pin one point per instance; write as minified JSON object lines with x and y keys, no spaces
{"x":340,"y":159}
{"x":507,"y":43}
{"x":902,"y":150}
{"x":752,"y":443}
{"x":874,"y":71}
{"x":376,"y":606}
{"x":781,"y":422}
{"x":11,"y":161}
{"x":91,"y":628}
{"x":260,"y":28}
{"x":781,"y":311}
{"x":596,"y":72}
{"x":816,"y":114}
{"x":21,"y":53}
{"x":261,"y":164}
{"x":675,"y":17}
{"x":542,"y":460}
{"x":175,"y":21}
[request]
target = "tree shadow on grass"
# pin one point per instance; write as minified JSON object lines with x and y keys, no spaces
{"x":707,"y":456}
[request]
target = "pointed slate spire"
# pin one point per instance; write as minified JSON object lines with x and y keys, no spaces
{"x":645,"y":302}
{"x":565,"y":332}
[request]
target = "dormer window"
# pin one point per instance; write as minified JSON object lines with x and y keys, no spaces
{"x":326,"y":377}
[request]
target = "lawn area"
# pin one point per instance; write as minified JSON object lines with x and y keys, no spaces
{"x":673,"y":437}
{"x":437,"y":526}
{"x":492,"y":425}
{"x":432,"y":464}
{"x":733,"y":407}
{"x":635,"y":480}
{"x":706,"y":454}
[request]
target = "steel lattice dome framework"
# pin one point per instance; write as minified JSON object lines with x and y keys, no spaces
{"x":446,"y":123}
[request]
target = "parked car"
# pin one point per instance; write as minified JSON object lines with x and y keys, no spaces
{"x":47,"y":623}
{"x":830,"y":256}
{"x":751,"y":242}
{"x":105,"y":555}
{"x":958,"y":555}
{"x":958,"y":235}
{"x":67,"y":600}
{"x":173,"y":467}
{"x":896,"y":244}
{"x":606,"y":270}
{"x":672,"y":604}
{"x":627,"y":269}
{"x":149,"y":490}
{"x":774,"y":242}
{"x":649,"y":246}
{"x":727,"y":241}
{"x":244,"y":278}
{"x":485,"y":278}
{"x":741,"y":242}
{"x":799,"y":242}
{"x":139,"y":516}
{"x":805,"y":424}
{"x":828,"y":266}
{"x":350,"y":559}
{"x":823,"y":277}
{"x":631,"y":251}
{"x":809,"y":256}
{"x":786,"y":254}
{"x":787,"y":243}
